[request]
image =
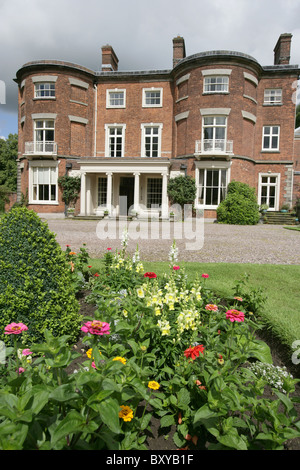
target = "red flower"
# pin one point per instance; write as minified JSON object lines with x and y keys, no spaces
{"x":108,"y":249}
{"x":96,"y":275}
{"x":194,"y":352}
{"x":205,"y":275}
{"x":176,"y":268}
{"x":235,"y":315}
{"x":150,"y":275}
{"x":89,"y":266}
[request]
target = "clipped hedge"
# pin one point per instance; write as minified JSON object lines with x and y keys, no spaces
{"x":35,"y":283}
{"x":240,"y":205}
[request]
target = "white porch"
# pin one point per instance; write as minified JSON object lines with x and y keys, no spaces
{"x":124,"y":187}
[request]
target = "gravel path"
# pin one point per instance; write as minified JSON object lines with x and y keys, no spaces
{"x":209,"y":242}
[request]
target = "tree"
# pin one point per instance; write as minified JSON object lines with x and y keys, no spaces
{"x":182,"y":190}
{"x":8,"y":167}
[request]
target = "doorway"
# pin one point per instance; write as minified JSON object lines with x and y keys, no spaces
{"x":126,"y":194}
{"x":269,"y":191}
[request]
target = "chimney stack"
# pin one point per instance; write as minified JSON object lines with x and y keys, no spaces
{"x":109,"y":59}
{"x":178,"y":50}
{"x":282,"y":49}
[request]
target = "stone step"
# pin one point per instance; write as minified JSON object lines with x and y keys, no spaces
{"x":279,"y":218}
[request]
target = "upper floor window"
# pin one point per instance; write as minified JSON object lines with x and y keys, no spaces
{"x":273,"y":96}
{"x":115,"y":140}
{"x":151,"y":140}
{"x":152,"y":97}
{"x":214,"y":133}
{"x":44,"y":136}
{"x":115,"y":98}
{"x":270,"y":138}
{"x":44,"y":90}
{"x":216,"y":84}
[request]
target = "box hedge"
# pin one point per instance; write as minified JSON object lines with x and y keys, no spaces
{"x":35,"y":283}
{"x":240,"y":205}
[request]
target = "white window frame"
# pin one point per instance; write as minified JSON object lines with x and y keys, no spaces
{"x":273,"y":96}
{"x":154,"y":177}
{"x":215,"y":147}
{"x":109,"y":94}
{"x":102,"y":191}
{"x":272,"y":134}
{"x":277,"y":188}
{"x":44,"y":145}
{"x":37,"y":165}
{"x":206,"y":166}
{"x":151,"y":126}
{"x":212,"y":81}
{"x":38,"y":91}
{"x":146,"y":104}
{"x":108,"y":127}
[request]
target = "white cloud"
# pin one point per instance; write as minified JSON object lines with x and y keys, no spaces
{"x":140,"y":32}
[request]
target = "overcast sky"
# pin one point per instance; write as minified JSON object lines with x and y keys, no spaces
{"x":140,"y":32}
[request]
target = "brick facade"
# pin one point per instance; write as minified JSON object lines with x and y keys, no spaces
{"x":217,"y":116}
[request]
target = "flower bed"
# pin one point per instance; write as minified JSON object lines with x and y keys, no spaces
{"x":155,"y":347}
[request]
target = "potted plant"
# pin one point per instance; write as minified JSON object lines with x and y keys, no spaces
{"x":106,"y":213}
{"x":263,"y":208}
{"x":285,"y":208}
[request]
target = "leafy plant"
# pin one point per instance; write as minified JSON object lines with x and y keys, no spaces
{"x":182,"y":190}
{"x":71,"y":187}
{"x":240,"y":205}
{"x":35,"y":283}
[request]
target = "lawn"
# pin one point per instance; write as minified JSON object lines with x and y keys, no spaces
{"x":280,"y":284}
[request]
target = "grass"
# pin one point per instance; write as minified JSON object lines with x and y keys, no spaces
{"x":280,"y":284}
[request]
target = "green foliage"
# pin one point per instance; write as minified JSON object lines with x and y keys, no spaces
{"x":240,"y":205}
{"x":35,"y":284}
{"x":171,"y":351}
{"x":71,"y":188}
{"x":8,"y":162}
{"x":182,"y":190}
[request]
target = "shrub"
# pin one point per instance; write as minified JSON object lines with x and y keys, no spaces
{"x":35,"y":283}
{"x":240,"y":205}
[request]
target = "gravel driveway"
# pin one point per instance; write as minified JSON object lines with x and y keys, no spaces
{"x":204,"y":242}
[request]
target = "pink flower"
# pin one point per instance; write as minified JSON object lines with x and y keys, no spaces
{"x":205,"y":275}
{"x":21,"y":370}
{"x":108,"y":249}
{"x":15,"y":328}
{"x":26,"y":352}
{"x":211,"y":307}
{"x":239,"y":298}
{"x":176,"y":268}
{"x":96,"y":327}
{"x":235,"y":315}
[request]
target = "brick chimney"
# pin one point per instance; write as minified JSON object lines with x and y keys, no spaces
{"x":178,"y":50}
{"x":282,"y":49}
{"x":109,"y":59}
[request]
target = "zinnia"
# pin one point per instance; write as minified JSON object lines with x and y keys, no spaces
{"x":126,"y":413}
{"x":176,"y":268}
{"x":121,"y":359}
{"x":153,"y":385}
{"x":150,"y":275}
{"x":15,"y":328}
{"x":96,"y":327}
{"x":205,"y":275}
{"x":211,"y":307}
{"x":194,"y":352}
{"x":235,"y":315}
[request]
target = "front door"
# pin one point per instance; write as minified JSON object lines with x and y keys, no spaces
{"x":269,"y":191}
{"x":126,"y":194}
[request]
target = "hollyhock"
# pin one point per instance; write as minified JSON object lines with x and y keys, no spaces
{"x":15,"y":328}
{"x":96,"y":327}
{"x":235,"y":315}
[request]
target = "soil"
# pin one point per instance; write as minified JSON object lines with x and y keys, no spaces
{"x":157,"y":440}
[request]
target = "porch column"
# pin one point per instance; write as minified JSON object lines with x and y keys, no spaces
{"x":164,"y":198}
{"x":109,"y":190}
{"x":88,"y":195}
{"x":136,"y":202}
{"x":83,"y":194}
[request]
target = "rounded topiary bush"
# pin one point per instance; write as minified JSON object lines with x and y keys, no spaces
{"x":35,"y":283}
{"x":240,"y":205}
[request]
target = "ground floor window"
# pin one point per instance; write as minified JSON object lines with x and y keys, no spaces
{"x":102,"y":191}
{"x":212,"y":186}
{"x":44,"y":184}
{"x":154,"y":192}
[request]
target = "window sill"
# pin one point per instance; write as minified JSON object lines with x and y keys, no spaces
{"x":43,"y":203}
{"x":51,"y":98}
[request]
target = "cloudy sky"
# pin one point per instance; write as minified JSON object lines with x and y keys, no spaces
{"x":140,"y":32}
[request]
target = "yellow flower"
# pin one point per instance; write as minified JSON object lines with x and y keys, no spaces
{"x":125,"y":313}
{"x":89,"y":353}
{"x":140,"y":293}
{"x":154,"y":385}
{"x":121,"y":359}
{"x":126,"y":413}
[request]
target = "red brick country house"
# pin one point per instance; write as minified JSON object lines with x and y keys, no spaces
{"x":217,"y":116}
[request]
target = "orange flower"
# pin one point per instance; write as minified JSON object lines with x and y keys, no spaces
{"x":179,"y":418}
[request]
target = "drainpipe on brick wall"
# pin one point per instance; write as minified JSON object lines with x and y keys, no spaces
{"x":95,"y":123}
{"x":68,"y":167}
